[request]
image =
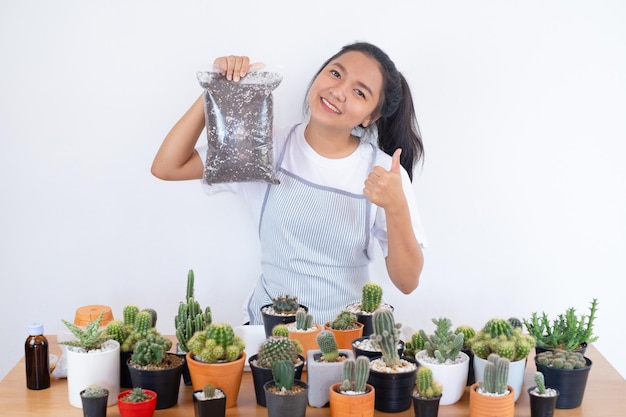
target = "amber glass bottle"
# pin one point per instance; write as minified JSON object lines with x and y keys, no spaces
{"x":36,"y":358}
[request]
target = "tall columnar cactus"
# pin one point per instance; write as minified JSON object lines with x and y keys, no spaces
{"x":540,"y":382}
{"x":371,"y":296}
{"x":276,"y":348}
{"x":151,"y":350}
{"x":354,"y":374}
{"x":304,"y":321}
{"x":386,"y":336}
{"x":495,"y":374}
{"x":413,"y":345}
{"x":443,"y":344}
{"x":328,"y":345}
{"x":217,"y":343}
{"x":425,"y":386}
{"x":190,"y":318}
{"x":129,"y":313}
{"x":284,"y":374}
{"x":135,"y":326}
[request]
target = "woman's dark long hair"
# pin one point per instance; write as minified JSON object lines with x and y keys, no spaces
{"x":397,"y":125}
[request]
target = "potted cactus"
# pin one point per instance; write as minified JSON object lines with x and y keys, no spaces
{"x":94,"y":399}
{"x":442,"y":353}
{"x":567,"y":372}
{"x":346,"y":328}
{"x":371,"y":300}
{"x":304,"y":331}
{"x":505,"y":338}
{"x":426,"y":394}
{"x":392,"y":377}
{"x":152,"y":367}
{"x":273,"y":349}
{"x":189,"y":319}
{"x":353,"y":396}
{"x":324,"y":367}
{"x":210,"y":401}
{"x":491,"y":396}
{"x":285,"y":395}
{"x":542,"y":398}
{"x":281,"y":310}
{"x":217,"y":356}
{"x":137,"y":402}
{"x":92,"y":358}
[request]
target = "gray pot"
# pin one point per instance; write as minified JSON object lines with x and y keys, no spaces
{"x":321,"y":375}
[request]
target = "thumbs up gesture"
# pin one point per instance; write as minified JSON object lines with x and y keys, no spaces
{"x":384,"y":188}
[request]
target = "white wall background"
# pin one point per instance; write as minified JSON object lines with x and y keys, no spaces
{"x":522,"y":106}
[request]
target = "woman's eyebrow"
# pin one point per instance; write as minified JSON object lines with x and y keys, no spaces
{"x":361,"y":84}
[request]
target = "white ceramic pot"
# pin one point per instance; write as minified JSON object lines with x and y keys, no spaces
{"x":451,"y":376}
{"x":516,"y":373}
{"x":99,"y":367}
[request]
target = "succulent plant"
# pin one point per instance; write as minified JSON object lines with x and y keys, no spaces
{"x":515,"y":322}
{"x":137,"y":395}
{"x":562,"y":359}
{"x":495,"y":375}
{"x":540,"y":382}
{"x":276,"y":348}
{"x":280,"y":330}
{"x":371,"y":296}
{"x":284,"y":374}
{"x":425,"y":386}
{"x":304,"y":320}
{"x":151,"y":350}
{"x":500,"y":337}
{"x":468,"y":333}
{"x":91,"y":338}
{"x":285,"y":304}
{"x":328,"y":345}
{"x":443,"y":344}
{"x":345,"y":320}
{"x":135,"y":326}
{"x":95,"y":391}
{"x":190,"y":318}
{"x":209,"y":391}
{"x":386,"y":336}
{"x":569,"y":331}
{"x":414,"y":345}
{"x":354,"y":374}
{"x":218,"y":343}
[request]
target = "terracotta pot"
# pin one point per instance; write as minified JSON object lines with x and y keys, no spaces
{"x":351,"y":405}
{"x":322,"y":375}
{"x":481,"y":405}
{"x":144,"y":409}
{"x":344,"y":338}
{"x":226,"y":375}
{"x":515,"y":378}
{"x":306,"y":339}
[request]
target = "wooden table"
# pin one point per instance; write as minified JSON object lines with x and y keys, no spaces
{"x":604,"y":397}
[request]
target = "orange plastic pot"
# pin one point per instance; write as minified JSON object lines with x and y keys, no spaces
{"x":225,"y":375}
{"x":308,"y":340}
{"x":481,"y":405}
{"x":344,"y":338}
{"x":357,"y":405}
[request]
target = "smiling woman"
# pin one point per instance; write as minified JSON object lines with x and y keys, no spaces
{"x":337,"y":192}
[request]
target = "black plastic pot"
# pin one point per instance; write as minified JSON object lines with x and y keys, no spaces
{"x":94,"y":407}
{"x":271,"y":320}
{"x":426,"y":407}
{"x":215,"y":407}
{"x":393,"y":391}
{"x":372,"y":354}
{"x":570,"y":383}
{"x":286,"y":405}
{"x":165,"y":382}
{"x":262,"y":375}
{"x":541,"y":406}
{"x":470,"y":372}
{"x":125,"y":380}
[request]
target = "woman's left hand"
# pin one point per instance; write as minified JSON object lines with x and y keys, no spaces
{"x":384,"y":188}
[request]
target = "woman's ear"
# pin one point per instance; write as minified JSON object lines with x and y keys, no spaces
{"x":369,"y":121}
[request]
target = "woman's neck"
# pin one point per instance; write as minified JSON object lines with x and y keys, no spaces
{"x":330,"y":143}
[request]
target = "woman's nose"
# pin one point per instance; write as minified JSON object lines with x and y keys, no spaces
{"x":337,"y":92}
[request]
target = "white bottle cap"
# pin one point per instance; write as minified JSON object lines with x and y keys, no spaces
{"x":35,"y":329}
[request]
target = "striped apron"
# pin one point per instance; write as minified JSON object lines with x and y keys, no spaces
{"x":314,"y":242}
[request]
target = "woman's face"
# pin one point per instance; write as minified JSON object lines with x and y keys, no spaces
{"x":346,"y":92}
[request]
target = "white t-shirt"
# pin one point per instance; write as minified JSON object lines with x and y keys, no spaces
{"x":346,"y":174}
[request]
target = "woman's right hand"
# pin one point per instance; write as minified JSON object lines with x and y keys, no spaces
{"x":234,"y":67}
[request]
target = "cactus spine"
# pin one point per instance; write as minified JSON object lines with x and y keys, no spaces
{"x":371,"y":296}
{"x":284,"y":374}
{"x":386,"y":336}
{"x":426,"y":387}
{"x":495,"y":374}
{"x":354,"y":374}
{"x":218,"y":343}
{"x":190,"y":317}
{"x":540,"y":382}
{"x":328,"y":345}
{"x":276,"y":348}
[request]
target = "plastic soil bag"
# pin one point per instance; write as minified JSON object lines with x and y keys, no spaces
{"x":239,"y":118}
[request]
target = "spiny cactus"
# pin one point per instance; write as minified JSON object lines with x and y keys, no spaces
{"x":386,"y":336}
{"x":285,"y":304}
{"x":468,"y":333}
{"x":276,"y":348}
{"x":414,"y":345}
{"x":443,"y":344}
{"x":129,"y":313}
{"x":209,"y":391}
{"x":91,"y":338}
{"x":284,"y":375}
{"x":151,"y":350}
{"x":425,"y":386}
{"x":140,"y":329}
{"x":304,"y":321}
{"x":328,"y":345}
{"x":345,"y":320}
{"x":137,"y":395}
{"x":495,"y":374}
{"x":515,"y":322}
{"x":95,"y":391}
{"x":562,"y":359}
{"x":498,"y":336}
{"x":190,"y":317}
{"x":371,"y":296}
{"x":540,"y":382}
{"x":280,"y":330}
{"x":218,"y":343}
{"x":354,"y":374}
